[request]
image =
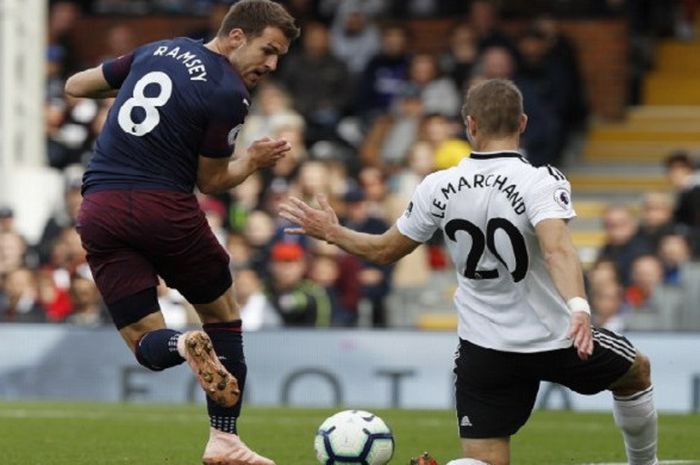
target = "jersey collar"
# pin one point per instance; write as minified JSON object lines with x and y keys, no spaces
{"x":491,"y":155}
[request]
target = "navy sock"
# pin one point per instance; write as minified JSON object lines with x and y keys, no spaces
{"x":227,"y":340}
{"x":157,"y":350}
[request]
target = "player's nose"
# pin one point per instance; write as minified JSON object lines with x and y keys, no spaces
{"x":271,"y":62}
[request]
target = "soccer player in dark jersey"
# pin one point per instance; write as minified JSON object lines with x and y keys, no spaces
{"x":179,"y":106}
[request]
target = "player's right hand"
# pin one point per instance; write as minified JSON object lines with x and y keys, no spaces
{"x":308,"y":220}
{"x":580,"y":332}
{"x":267,"y":152}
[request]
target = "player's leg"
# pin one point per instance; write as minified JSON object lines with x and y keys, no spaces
{"x":221,"y":321}
{"x":484,"y":452}
{"x":125,"y":278}
{"x":617,"y":366}
{"x":141,"y":324}
{"x":635,"y":413}
{"x":494,"y":398}
{"x":198,"y":267}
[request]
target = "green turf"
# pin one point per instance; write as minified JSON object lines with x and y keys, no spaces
{"x":111,"y":434}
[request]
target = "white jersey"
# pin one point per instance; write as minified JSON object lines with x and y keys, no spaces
{"x":488,"y":207}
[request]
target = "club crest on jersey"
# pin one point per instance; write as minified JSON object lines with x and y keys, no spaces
{"x":233,"y":134}
{"x":561,"y":196}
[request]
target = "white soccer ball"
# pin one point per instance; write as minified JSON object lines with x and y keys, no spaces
{"x":354,"y":437}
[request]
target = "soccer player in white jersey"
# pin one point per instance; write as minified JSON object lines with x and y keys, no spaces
{"x":523,"y":314}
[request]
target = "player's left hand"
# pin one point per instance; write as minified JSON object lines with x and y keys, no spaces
{"x":311,"y":221}
{"x":580,"y":332}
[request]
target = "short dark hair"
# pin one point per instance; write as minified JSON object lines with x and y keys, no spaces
{"x":496,"y":105}
{"x":679,"y":158}
{"x":253,"y":16}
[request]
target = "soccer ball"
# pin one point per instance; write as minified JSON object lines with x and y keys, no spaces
{"x":354,"y":437}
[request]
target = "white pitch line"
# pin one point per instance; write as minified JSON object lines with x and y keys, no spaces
{"x":661,"y":462}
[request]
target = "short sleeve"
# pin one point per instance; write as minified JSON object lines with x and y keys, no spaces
{"x":115,"y":71}
{"x":417,"y":222}
{"x":224,"y":121}
{"x":549,"y":197}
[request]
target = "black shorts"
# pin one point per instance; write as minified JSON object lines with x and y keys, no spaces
{"x":132,"y":236}
{"x":496,"y":391}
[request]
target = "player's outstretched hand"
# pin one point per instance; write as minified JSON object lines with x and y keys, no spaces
{"x":266,"y":152}
{"x":580,"y":332}
{"x":310,"y":221}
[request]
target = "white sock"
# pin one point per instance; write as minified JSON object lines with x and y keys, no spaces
{"x":636,"y":416}
{"x":466,"y":462}
{"x":181,"y":349}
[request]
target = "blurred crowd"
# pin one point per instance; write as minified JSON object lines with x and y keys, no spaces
{"x":647,"y":275}
{"x":367,"y":120}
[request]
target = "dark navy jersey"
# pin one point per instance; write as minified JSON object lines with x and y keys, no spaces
{"x":177,"y":100}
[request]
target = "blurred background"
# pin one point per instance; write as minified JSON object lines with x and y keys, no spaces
{"x":369,"y":97}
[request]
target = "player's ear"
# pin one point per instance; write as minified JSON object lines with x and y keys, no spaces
{"x":236,"y":37}
{"x":471,"y":126}
{"x":523,"y":123}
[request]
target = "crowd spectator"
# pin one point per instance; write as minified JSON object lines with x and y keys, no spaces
{"x":385,"y":76}
{"x":438,"y":94}
{"x":19,"y":300}
{"x":409,"y":126}
{"x":56,"y":299}
{"x":63,"y":16}
{"x":296,"y":300}
{"x":355,"y":39}
{"x":272,"y":108}
{"x":461,"y":56}
{"x":646,"y":275}
{"x":338,"y":273}
{"x":539,"y":140}
{"x":682,"y":174}
{"x":652,"y":304}
{"x":484,"y":19}
{"x":217,"y":11}
{"x":603,"y":271}
{"x":120,"y":40}
{"x":656,"y":217}
{"x":443,"y":134}
{"x":320,"y":81}
{"x":674,"y":253}
{"x":256,"y":311}
{"x":242,"y":200}
{"x":259,"y":230}
{"x":608,"y":306}
{"x":393,"y":133}
{"x":12,"y":251}
{"x":562,"y":54}
{"x":88,"y":310}
{"x":374,"y":279}
{"x":65,"y":216}
{"x":622,"y":245}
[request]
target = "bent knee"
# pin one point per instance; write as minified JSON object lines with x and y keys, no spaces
{"x":637,"y":378}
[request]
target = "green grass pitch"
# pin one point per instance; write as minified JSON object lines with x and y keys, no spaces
{"x":43,"y":433}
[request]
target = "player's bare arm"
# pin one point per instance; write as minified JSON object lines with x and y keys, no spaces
{"x":566,"y":272}
{"x":90,"y":83}
{"x":216,"y":175}
{"x":323,"y":224}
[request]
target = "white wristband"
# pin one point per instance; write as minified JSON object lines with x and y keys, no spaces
{"x":578,"y":304}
